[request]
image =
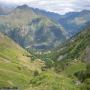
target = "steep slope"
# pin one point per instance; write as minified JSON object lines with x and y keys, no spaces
{"x":16,"y":67}
{"x":74,"y":50}
{"x":52,"y":81}
{"x":73,"y":22}
{"x":75,"y":57}
{"x":18,"y":71}
{"x":31,"y":29}
{"x":76,"y":47}
{"x":66,"y":61}
{"x":72,"y":60}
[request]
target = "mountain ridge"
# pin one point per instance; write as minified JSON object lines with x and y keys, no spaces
{"x":27,"y":24}
{"x":66,"y":67}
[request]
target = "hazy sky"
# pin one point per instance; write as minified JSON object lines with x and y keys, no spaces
{"x":59,"y":6}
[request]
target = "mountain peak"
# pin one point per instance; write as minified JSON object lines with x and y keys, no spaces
{"x":25,"y":6}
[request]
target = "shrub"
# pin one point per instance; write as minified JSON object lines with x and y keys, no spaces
{"x":36,"y":73}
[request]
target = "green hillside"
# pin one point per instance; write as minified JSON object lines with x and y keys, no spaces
{"x":65,"y":68}
{"x":72,"y":59}
{"x":75,"y":48}
{"x":16,"y":65}
{"x":17,"y":69}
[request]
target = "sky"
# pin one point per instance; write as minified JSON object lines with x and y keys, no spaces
{"x":58,"y":6}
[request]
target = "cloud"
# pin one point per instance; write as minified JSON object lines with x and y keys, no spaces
{"x":58,"y":6}
{"x":84,"y":4}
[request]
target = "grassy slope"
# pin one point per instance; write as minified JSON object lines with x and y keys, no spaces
{"x":76,"y":49}
{"x":73,"y":49}
{"x":15,"y":67}
{"x":51,"y":81}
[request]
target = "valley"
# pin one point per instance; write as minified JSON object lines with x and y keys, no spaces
{"x":42,"y":50}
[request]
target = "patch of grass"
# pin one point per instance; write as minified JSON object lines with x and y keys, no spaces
{"x":75,"y":67}
{"x":16,"y":68}
{"x":51,"y":81}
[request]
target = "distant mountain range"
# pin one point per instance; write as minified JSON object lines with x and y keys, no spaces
{"x":31,"y":29}
{"x":66,"y":65}
{"x":40,"y":30}
{"x":72,"y":22}
{"x":6,"y":8}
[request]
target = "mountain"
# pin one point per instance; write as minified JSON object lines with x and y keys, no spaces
{"x":75,"y":48}
{"x":36,"y":29}
{"x":63,"y":68}
{"x":6,"y":8}
{"x":19,"y":70}
{"x":73,"y":22}
{"x":70,"y":60}
{"x":78,"y":45}
{"x":76,"y":21}
{"x":31,"y":29}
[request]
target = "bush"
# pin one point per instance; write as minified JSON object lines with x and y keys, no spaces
{"x":86,"y":85}
{"x":36,"y":73}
